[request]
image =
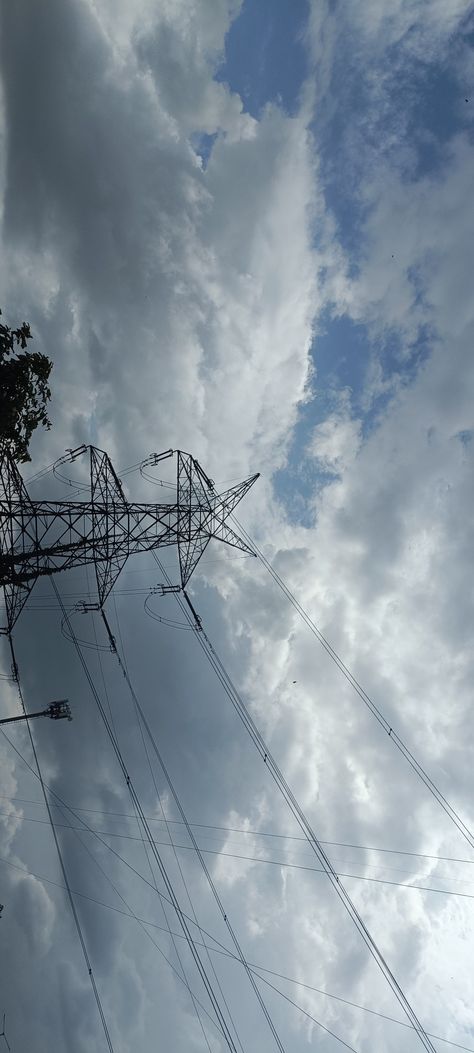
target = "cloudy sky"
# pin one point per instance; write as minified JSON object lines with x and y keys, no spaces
{"x":244,"y":228}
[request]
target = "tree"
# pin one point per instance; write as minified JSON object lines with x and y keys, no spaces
{"x":24,"y":390}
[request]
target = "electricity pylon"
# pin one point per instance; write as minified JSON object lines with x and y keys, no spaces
{"x":44,"y":537}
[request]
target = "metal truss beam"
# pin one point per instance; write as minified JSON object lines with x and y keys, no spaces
{"x":45,"y":537}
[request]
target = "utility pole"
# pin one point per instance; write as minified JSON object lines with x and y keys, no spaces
{"x":45,"y":537}
{"x":59,"y":710}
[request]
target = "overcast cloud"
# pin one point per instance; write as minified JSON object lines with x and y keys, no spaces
{"x":283,"y":288}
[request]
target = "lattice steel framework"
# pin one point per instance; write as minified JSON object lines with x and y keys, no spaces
{"x":44,"y":537}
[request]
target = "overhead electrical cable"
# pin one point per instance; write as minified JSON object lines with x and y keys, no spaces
{"x":40,"y":473}
{"x":228,"y":954}
{"x":142,"y":838}
{"x":451,"y":812}
{"x":124,"y":668}
{"x":95,"y":833}
{"x":253,"y":833}
{"x":256,"y":859}
{"x":331,"y":873}
{"x":98,"y":649}
{"x":197,"y":1005}
{"x":190,"y":833}
{"x":129,"y":913}
{"x":285,"y":790}
{"x":61,"y":859}
{"x":137,"y":804}
{"x":216,"y":946}
{"x":302,"y":820}
{"x":345,"y":1001}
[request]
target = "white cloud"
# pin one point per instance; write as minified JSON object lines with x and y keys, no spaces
{"x":388,"y":573}
{"x":182,"y":48}
{"x":335,"y":442}
{"x":178,"y":304}
{"x":35,"y":913}
{"x":212,"y":273}
{"x":421,"y":31}
{"x":407,"y":22}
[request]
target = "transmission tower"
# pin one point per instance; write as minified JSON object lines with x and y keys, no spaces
{"x":40,"y":538}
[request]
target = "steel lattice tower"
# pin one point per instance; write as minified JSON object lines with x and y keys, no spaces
{"x":44,"y":537}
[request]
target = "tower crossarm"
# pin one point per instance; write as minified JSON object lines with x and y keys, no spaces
{"x":44,"y":537}
{"x":61,"y":535}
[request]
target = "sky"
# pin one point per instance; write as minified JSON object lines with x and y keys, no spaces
{"x":245,"y":230}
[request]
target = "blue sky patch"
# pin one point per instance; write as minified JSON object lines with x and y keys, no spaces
{"x":343,"y":353}
{"x":203,"y":143}
{"x":340,"y":355}
{"x":265,"y":57}
{"x":404,"y":114}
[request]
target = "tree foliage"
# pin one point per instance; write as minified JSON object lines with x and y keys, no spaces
{"x":24,"y":390}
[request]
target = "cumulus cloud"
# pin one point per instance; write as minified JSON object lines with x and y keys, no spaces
{"x":133,"y":224}
{"x":335,"y":442}
{"x":35,"y":912}
{"x":179,"y":301}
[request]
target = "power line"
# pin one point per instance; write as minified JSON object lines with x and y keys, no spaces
{"x":195,"y":1002}
{"x":42,"y":602}
{"x":365,"y":698}
{"x":218,"y":947}
{"x":61,"y":860}
{"x":254,"y":833}
{"x":195,"y":845}
{"x":228,"y":954}
{"x":221,"y":950}
{"x":302,"y":820}
{"x":137,"y":804}
{"x":129,"y":913}
{"x":124,"y":668}
{"x":258,"y":859}
{"x":147,"y":857}
{"x":192,"y":483}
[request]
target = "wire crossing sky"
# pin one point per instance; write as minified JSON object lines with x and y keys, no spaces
{"x":244,"y":229}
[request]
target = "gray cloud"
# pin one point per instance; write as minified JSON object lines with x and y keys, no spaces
{"x":178,"y":303}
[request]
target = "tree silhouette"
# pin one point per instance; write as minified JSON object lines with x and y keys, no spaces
{"x":24,"y":390}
